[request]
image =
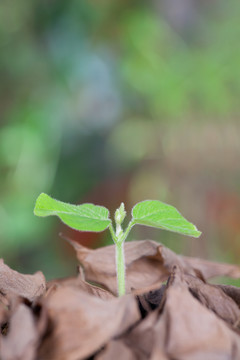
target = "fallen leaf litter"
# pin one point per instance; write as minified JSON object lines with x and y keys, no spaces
{"x":170,"y":310}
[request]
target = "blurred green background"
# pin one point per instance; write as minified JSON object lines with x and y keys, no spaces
{"x":109,"y":101}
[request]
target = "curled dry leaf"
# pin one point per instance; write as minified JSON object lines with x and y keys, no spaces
{"x":82,"y":323}
{"x":99,"y":265}
{"x":147,"y":263}
{"x":221,"y":299}
{"x":211,"y":296}
{"x":210,"y":269}
{"x":201,"y":268}
{"x":78,"y":282}
{"x":28,"y":286}
{"x":186,"y":330}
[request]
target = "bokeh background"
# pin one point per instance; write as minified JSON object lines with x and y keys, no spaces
{"x":108,"y":101}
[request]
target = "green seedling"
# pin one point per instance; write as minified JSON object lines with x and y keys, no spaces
{"x":89,"y":217}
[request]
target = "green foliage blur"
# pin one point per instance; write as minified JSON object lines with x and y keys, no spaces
{"x":110,"y":101}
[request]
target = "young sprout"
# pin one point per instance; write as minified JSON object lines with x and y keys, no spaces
{"x":89,"y":217}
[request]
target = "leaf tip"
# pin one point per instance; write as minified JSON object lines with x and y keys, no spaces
{"x":197,"y":233}
{"x":38,"y":204}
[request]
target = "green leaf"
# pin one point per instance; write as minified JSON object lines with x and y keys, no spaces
{"x":85,"y":217}
{"x":160,"y":215}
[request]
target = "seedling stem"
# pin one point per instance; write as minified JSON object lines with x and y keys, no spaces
{"x":119,"y":236}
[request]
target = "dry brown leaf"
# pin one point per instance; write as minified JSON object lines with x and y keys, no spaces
{"x":201,"y":268}
{"x":147,"y":263}
{"x":82,"y":323}
{"x":79,"y":283}
{"x":21,"y":340}
{"x":211,"y":296}
{"x":186,"y":330}
{"x":99,"y":265}
{"x":210,"y":269}
{"x":28,"y":286}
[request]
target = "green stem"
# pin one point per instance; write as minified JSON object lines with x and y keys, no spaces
{"x":120,"y":268}
{"x":120,"y":262}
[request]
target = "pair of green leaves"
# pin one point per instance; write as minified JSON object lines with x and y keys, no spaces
{"x":89,"y":217}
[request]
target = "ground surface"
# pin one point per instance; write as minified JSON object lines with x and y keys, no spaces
{"x":170,"y":312}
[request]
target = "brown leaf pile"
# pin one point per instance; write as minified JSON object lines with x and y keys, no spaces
{"x":71,"y":319}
